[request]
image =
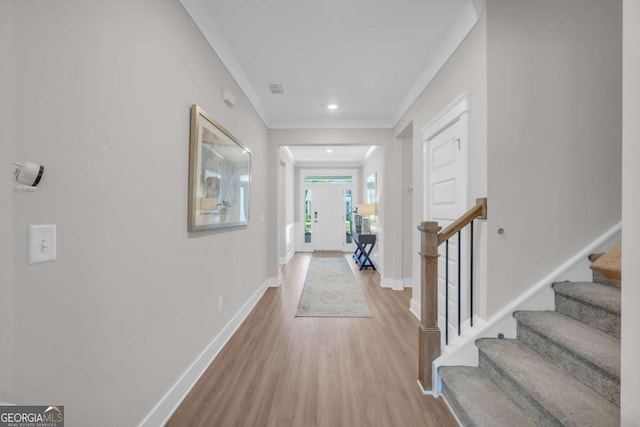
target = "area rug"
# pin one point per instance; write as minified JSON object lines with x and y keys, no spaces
{"x":330,"y":290}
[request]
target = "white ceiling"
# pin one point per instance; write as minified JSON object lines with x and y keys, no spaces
{"x":333,"y":155}
{"x":371,"y":57}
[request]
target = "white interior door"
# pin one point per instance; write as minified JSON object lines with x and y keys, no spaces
{"x":446,"y":198}
{"x":446,"y":167}
{"x":328,"y":218}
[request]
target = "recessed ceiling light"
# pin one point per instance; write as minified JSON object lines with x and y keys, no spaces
{"x":329,"y":150}
{"x":332,"y":106}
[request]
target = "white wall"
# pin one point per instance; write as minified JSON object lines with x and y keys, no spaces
{"x":280,"y":137}
{"x":408,"y":226}
{"x":554,"y":113}
{"x":465,"y":71}
{"x":6,"y":205}
{"x":286,"y":205}
{"x":376,"y":164}
{"x":102,"y":92}
{"x":630,"y":379}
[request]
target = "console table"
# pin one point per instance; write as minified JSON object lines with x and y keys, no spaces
{"x":364,"y":247}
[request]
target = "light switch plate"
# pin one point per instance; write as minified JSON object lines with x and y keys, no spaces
{"x":42,"y":243}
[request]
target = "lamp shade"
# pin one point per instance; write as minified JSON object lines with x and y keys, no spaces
{"x":367,"y":209}
{"x":208,"y":204}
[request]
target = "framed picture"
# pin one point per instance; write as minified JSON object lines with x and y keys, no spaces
{"x":219,"y":176}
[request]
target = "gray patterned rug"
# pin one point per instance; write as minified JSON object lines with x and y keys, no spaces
{"x":330,"y":290}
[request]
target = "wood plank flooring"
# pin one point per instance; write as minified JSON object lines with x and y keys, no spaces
{"x":282,"y":370}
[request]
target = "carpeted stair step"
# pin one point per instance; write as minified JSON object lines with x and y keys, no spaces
{"x":545,"y":392}
{"x":599,"y":278}
{"x":591,"y":303}
{"x":478,"y":401}
{"x":590,"y":355}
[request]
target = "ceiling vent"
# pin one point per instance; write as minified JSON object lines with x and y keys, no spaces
{"x":276,"y":88}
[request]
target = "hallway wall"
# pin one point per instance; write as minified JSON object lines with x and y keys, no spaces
{"x":6,"y":205}
{"x":101,"y":94}
{"x":286,"y":206}
{"x":279,"y":137}
{"x":376,"y":164}
{"x":554,"y":120}
{"x":465,"y":71}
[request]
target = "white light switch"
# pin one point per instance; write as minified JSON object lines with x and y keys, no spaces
{"x":42,"y":243}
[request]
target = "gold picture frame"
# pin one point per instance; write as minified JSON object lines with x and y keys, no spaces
{"x":219,"y":176}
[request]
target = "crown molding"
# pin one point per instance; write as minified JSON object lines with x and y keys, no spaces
{"x":375,"y":124}
{"x":201,"y":16}
{"x":465,"y":23}
{"x":331,"y":164}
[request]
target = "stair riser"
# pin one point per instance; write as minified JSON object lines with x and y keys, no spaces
{"x":599,"y":278}
{"x":603,"y":382}
{"x":593,"y":316}
{"x":539,"y":415}
{"x":456,"y":407}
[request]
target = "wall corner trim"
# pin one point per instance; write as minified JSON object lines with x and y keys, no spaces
{"x":273,"y":282}
{"x":414,"y":308}
{"x":395,"y":284}
{"x":285,"y":259}
{"x":446,"y":116}
{"x":463,"y":26}
{"x":199,"y":13}
{"x":167,"y":405}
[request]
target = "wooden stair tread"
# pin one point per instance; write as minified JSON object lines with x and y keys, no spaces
{"x":609,"y":264}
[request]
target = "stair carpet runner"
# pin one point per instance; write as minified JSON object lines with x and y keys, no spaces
{"x":563,"y":369}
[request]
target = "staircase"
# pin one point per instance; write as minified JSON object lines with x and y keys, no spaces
{"x":563,"y":369}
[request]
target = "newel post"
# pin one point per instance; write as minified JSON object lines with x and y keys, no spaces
{"x":429,"y":333}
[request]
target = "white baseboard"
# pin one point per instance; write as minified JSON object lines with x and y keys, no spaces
{"x":451,"y":410}
{"x":426,"y":392}
{"x":285,"y":259}
{"x":540,"y":296}
{"x":414,"y":308}
{"x":395,"y":284}
{"x":407,"y":282}
{"x":163,"y":410}
{"x":272,"y":282}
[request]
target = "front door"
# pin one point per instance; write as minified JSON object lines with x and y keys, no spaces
{"x":328,"y":218}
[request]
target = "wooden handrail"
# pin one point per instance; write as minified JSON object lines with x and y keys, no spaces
{"x":428,"y":331}
{"x":478,"y":211}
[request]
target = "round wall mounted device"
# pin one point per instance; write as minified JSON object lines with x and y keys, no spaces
{"x":28,"y":173}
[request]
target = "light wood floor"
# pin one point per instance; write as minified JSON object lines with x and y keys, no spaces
{"x":282,"y":370}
